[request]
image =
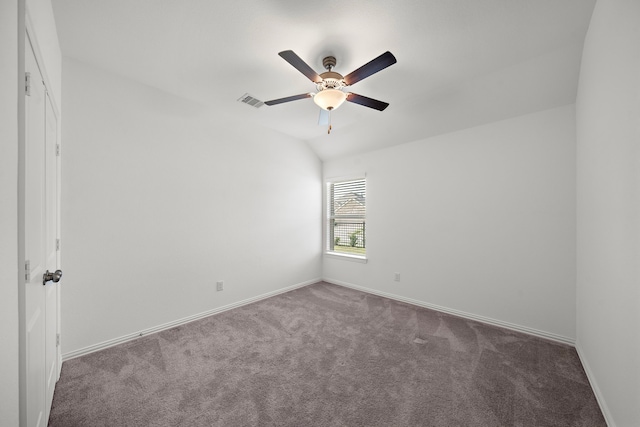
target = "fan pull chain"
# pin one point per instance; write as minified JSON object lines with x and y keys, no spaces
{"x":329,"y":130}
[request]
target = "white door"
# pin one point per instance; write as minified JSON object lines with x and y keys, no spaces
{"x":51,"y":252}
{"x":40,"y":246}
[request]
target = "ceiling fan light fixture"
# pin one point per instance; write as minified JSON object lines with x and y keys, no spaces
{"x":329,"y":99}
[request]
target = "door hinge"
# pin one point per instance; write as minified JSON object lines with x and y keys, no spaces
{"x":57,"y":340}
{"x":57,"y":244}
{"x":27,"y":270}
{"x":57,"y":149}
{"x":27,"y":83}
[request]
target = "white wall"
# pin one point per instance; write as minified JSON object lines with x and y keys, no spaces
{"x":9,"y":361}
{"x":164,"y":197}
{"x":480,"y":221}
{"x":608,"y":183}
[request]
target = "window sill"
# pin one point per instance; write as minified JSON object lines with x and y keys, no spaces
{"x":346,"y":257}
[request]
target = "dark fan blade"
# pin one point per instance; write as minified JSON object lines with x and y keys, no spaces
{"x":367,"y":102}
{"x":300,"y":65}
{"x":288,"y":99}
{"x":371,"y":67}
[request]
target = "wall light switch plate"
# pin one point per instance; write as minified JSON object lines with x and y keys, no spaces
{"x":219,"y":285}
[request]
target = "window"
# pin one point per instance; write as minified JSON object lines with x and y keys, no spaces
{"x":346,"y":224}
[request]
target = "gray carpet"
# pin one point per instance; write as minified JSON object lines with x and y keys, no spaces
{"x":324,"y":355}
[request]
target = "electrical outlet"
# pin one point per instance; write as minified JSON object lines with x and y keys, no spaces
{"x":397,"y":277}
{"x":219,"y":285}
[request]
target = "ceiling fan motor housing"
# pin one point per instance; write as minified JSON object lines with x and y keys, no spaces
{"x":330,"y":79}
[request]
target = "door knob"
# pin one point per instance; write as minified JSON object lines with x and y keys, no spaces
{"x":55,"y":276}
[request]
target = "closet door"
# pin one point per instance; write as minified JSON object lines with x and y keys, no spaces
{"x":40,"y":211}
{"x":51,"y":252}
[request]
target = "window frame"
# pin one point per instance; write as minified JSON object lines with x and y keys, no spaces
{"x":327,"y":220}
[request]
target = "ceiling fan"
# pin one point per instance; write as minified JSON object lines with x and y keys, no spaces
{"x":330,"y":85}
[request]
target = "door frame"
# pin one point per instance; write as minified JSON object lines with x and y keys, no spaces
{"x":28,"y":35}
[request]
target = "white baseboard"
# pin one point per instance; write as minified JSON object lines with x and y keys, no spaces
{"x":594,"y":386}
{"x":470,"y":316}
{"x":169,"y":325}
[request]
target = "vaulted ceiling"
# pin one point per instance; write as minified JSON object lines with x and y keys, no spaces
{"x":461,"y":63}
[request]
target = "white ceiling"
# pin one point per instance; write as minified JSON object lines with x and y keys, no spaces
{"x":461,"y":63}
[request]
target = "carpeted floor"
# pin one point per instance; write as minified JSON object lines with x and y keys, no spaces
{"x":324,"y":355}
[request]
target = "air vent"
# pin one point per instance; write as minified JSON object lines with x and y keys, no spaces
{"x":250,"y":100}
